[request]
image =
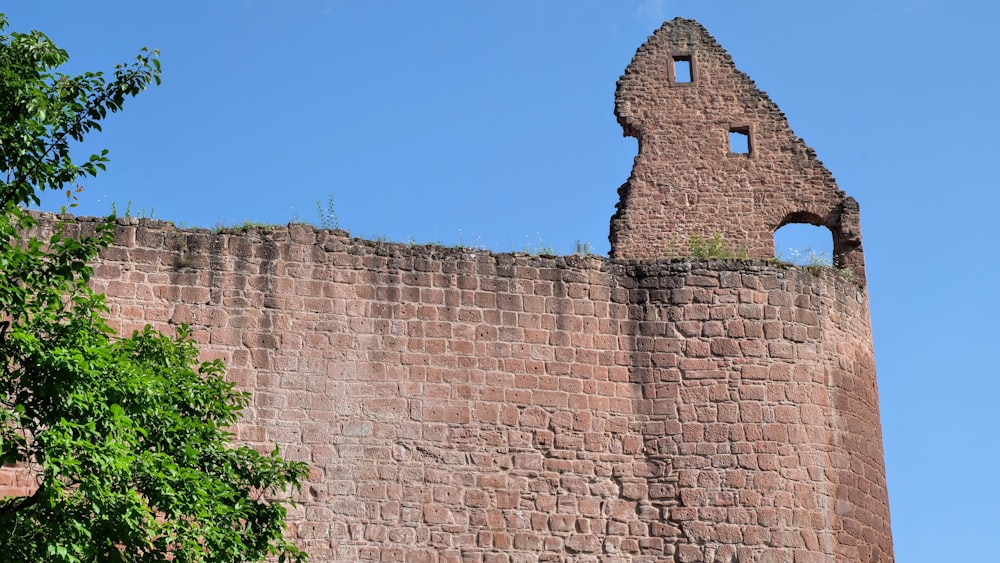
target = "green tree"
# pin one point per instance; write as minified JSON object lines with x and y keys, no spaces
{"x":126,"y":437}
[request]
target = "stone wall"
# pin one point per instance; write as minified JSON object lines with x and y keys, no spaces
{"x":457,"y":405}
{"x":688,"y":181}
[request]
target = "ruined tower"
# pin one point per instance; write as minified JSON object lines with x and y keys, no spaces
{"x":459,"y":406}
{"x":771,"y":396}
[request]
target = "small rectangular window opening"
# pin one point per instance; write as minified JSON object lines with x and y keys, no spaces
{"x":682,"y":69}
{"x":739,"y":140}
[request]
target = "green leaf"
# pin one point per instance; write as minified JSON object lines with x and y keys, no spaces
{"x":126,"y":437}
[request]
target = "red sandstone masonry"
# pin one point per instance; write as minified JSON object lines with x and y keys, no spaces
{"x":460,"y":406}
{"x":457,"y":405}
{"x":686,"y":181}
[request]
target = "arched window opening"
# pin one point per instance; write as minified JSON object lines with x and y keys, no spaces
{"x":803,"y":244}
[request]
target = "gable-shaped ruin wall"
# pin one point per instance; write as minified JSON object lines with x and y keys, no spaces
{"x":689,"y":178}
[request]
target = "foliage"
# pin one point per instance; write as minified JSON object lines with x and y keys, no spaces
{"x":244,"y":226}
{"x":125,"y":437}
{"x":814,"y":262}
{"x":846,"y":273}
{"x":128,"y":211}
{"x":713,"y":248}
{"x":328,"y":215}
{"x":545,"y":250}
{"x":807,"y":257}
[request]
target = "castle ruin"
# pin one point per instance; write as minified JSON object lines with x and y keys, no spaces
{"x":459,"y":406}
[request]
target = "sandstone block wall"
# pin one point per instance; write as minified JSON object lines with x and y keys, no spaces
{"x":456,"y":405}
{"x":689,"y":180}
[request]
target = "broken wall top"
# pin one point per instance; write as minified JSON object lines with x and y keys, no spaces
{"x":716,"y":157}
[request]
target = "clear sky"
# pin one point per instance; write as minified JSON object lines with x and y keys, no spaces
{"x":491,"y":124}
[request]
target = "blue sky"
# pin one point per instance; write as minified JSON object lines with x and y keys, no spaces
{"x":491,"y":124}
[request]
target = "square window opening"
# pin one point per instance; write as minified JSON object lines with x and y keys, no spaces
{"x":739,"y":140}
{"x":682,"y":69}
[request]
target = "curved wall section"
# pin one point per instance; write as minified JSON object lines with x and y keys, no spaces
{"x":760,"y":412}
{"x":455,"y":405}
